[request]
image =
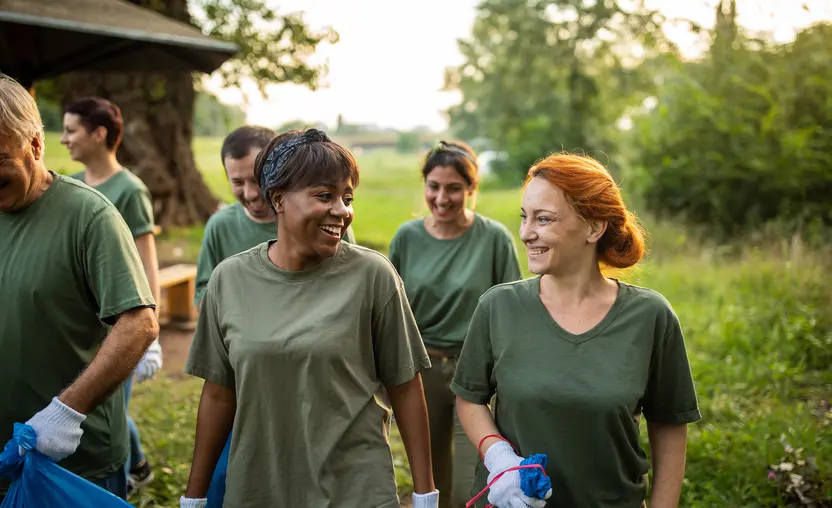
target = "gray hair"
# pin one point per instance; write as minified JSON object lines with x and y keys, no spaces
{"x":19,"y":115}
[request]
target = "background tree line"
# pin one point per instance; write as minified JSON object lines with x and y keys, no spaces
{"x":737,"y":139}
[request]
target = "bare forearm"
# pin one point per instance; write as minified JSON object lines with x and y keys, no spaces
{"x":214,"y":421}
{"x":667,"y":445}
{"x":116,"y":359}
{"x":477,"y":422}
{"x":146,"y":245}
{"x":411,"y":412}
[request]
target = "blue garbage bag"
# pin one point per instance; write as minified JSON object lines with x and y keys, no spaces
{"x":37,"y":481}
{"x":216,"y":492}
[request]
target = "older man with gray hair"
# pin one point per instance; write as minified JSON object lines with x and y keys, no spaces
{"x":77,"y":313}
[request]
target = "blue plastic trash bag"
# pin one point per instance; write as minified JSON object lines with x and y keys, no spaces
{"x":216,"y":492}
{"x":37,"y":481}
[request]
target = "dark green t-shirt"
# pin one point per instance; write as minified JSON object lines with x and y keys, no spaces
{"x":131,"y":197}
{"x":445,"y":278}
{"x":578,"y":398}
{"x":229,"y":231}
{"x":306,"y":353}
{"x":67,"y":260}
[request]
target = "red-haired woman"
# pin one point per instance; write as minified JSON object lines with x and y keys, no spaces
{"x":576,"y":357}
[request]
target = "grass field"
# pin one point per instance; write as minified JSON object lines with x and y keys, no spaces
{"x":758,"y":327}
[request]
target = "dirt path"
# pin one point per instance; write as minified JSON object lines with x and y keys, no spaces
{"x":175,"y":346}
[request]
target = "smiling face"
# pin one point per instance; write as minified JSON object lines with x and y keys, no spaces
{"x":19,"y":164}
{"x":245,"y":188}
{"x":315,"y":219}
{"x":557,"y":239}
{"x":446,"y":193}
{"x":82,"y":144}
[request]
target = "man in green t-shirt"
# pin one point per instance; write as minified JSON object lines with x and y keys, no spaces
{"x":92,"y":133}
{"x":249,"y":221}
{"x":70,"y":263}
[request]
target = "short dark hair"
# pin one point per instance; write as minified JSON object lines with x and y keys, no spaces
{"x":322,"y":161}
{"x":457,"y":155}
{"x":241,"y":140}
{"x":97,"y":112}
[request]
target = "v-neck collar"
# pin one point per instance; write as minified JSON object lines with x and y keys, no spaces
{"x":543,"y":312}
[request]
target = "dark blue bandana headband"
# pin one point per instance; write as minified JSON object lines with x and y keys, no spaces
{"x":276,"y":160}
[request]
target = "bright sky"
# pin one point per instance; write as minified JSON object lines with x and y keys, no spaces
{"x":388,"y":67}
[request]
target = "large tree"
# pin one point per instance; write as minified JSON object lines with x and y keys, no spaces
{"x":159,"y":107}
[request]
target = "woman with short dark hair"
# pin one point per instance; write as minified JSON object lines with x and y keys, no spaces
{"x":294,"y":340}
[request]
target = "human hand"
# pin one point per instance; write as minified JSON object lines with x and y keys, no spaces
{"x":58,"y":430}
{"x":429,"y":500}
{"x":185,"y":502}
{"x":505,"y":492}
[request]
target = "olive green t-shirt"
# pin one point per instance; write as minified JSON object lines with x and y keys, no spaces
{"x":69,"y":268}
{"x":131,"y":197}
{"x":578,"y":398}
{"x":306,"y":353}
{"x":230,"y":231}
{"x":445,"y":278}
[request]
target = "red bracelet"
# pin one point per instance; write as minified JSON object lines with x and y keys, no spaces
{"x":479,"y":446}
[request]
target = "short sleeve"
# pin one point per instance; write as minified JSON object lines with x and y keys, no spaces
{"x":207,"y":260}
{"x":394,"y":253}
{"x":397,"y":344}
{"x":208,"y":357}
{"x":114,"y":270}
{"x":670,"y":397}
{"x":473,"y":380}
{"x":137,"y":211}
{"x":507,"y":267}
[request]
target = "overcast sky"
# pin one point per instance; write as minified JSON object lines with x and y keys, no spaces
{"x":388,"y":66}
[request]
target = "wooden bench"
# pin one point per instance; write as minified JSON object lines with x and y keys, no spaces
{"x":178,"y":285}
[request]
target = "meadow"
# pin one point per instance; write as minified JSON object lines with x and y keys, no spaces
{"x":757,"y":322}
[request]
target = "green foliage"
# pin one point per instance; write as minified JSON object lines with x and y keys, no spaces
{"x":50,"y":113}
{"x":408,"y":142}
{"x":212,"y":118}
{"x":743,"y":137}
{"x":545,"y":75}
{"x":273,"y":47}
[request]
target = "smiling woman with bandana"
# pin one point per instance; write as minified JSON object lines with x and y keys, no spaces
{"x":294,"y":340}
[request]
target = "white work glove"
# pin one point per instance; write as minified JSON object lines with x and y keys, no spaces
{"x":185,"y":502}
{"x":506,"y":492}
{"x":429,"y":500}
{"x":150,"y":363}
{"x":58,"y":430}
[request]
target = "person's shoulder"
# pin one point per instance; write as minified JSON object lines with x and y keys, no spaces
{"x":239,"y":261}
{"x":78,"y":176}
{"x":410,"y":228}
{"x":508,"y":291}
{"x":648,"y":300}
{"x":132,"y":183}
{"x":493,"y":227}
{"x":646,"y":296}
{"x":223,"y":217}
{"x":82,"y":195}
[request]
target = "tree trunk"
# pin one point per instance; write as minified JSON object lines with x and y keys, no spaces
{"x":158,"y":110}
